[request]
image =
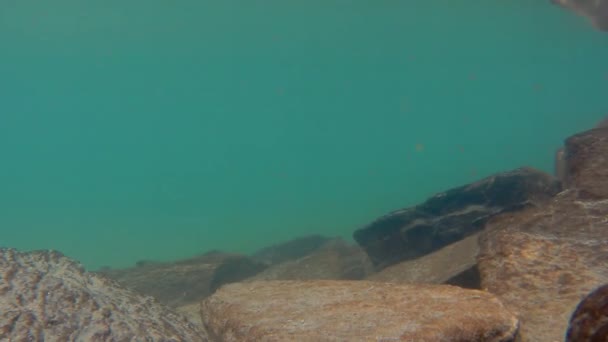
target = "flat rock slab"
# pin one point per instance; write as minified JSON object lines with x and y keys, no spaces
{"x":45,"y":296}
{"x":541,"y":262}
{"x":291,"y":250}
{"x":447,"y":265}
{"x":452,"y":215}
{"x":329,"y":310}
{"x":336,"y":259}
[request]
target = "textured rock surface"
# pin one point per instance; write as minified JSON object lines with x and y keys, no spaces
{"x":586,"y":156}
{"x":449,"y":264}
{"x":596,"y":11}
{"x":589,"y":321}
{"x":186,"y":281}
{"x":561,"y":169}
{"x":45,"y":296}
{"x":328,"y":310}
{"x":336,"y":259}
{"x":451,"y":216}
{"x":543,"y":260}
{"x":542,"y":271}
{"x":192,"y":312}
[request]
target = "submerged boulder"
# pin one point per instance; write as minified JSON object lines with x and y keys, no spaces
{"x":45,"y":296}
{"x":565,"y":169}
{"x":185,"y":281}
{"x":589,"y":321}
{"x":326,"y":310}
{"x":452,"y":215}
{"x":541,"y":261}
{"x":454,"y":264}
{"x":291,"y":250}
{"x":336,"y":259}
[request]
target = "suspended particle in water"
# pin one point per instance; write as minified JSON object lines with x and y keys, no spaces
{"x":419,"y":147}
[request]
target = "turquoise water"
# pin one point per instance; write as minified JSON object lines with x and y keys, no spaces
{"x":158,"y":130}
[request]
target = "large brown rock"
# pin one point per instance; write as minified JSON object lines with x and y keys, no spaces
{"x":452,"y":215}
{"x":322,"y":311}
{"x":455,"y":264}
{"x":542,"y":260}
{"x":584,"y":152}
{"x":586,"y":162}
{"x":589,"y":321}
{"x":44,"y":296}
{"x":336,"y":259}
{"x":543,"y":275}
{"x":185,"y":281}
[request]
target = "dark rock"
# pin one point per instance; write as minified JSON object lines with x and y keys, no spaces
{"x":336,"y":259}
{"x":452,"y":215}
{"x":44,"y":296}
{"x":542,"y":260}
{"x":454,"y":264}
{"x":185,"y":281}
{"x":290,"y":250}
{"x":596,"y":11}
{"x":589,"y":321}
{"x":468,"y":279}
{"x":233,"y":270}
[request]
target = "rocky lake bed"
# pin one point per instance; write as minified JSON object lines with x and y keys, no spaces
{"x":517,"y":256}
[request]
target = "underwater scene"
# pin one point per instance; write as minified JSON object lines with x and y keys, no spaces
{"x":160,"y":130}
{"x":192,"y":151}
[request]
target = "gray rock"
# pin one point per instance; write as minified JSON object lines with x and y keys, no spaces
{"x":336,"y":259}
{"x":452,"y":215}
{"x":454,"y":264}
{"x":45,"y":296}
{"x":185,"y":281}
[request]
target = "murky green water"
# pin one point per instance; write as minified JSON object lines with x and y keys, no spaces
{"x":157,"y":130}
